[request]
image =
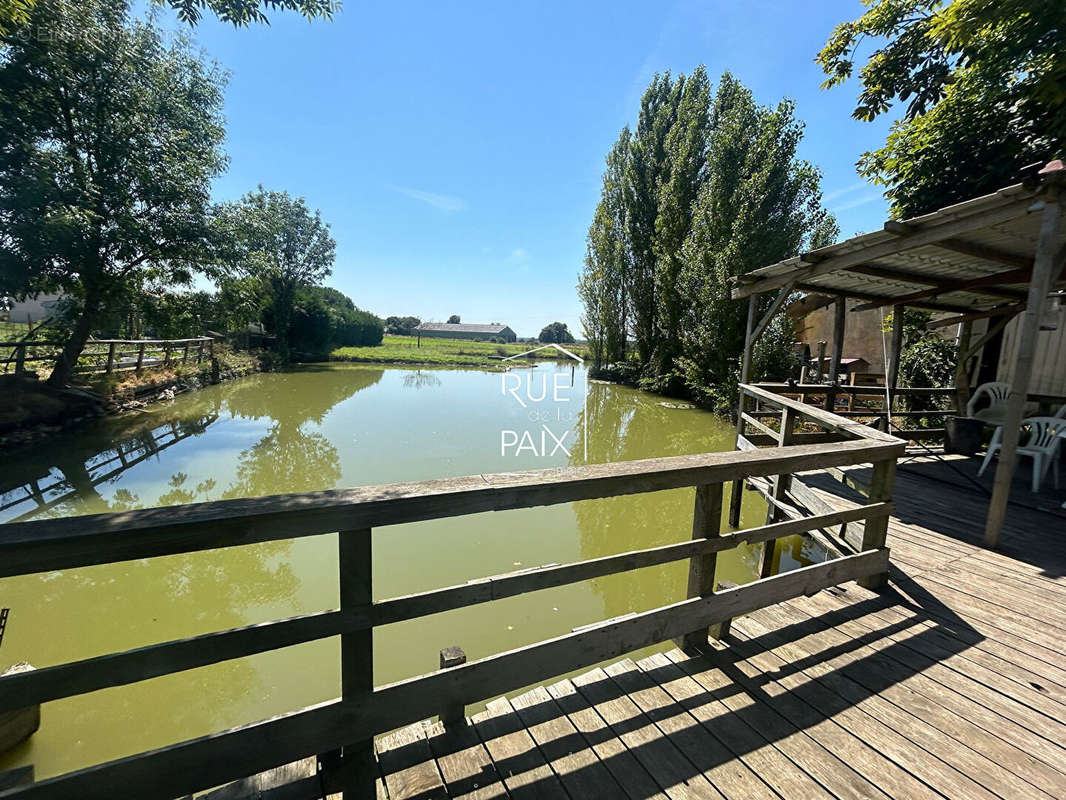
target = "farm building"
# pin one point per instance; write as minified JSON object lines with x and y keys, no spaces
{"x":449,"y":330}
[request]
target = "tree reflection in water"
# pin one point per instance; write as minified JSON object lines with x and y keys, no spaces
{"x":114,"y":607}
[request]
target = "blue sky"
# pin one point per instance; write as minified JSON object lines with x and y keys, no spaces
{"x":456,"y":148}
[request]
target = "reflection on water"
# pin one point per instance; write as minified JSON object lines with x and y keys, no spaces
{"x":319,"y":428}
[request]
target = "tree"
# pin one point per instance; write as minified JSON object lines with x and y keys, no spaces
{"x":603,"y":284}
{"x":324,"y":319}
{"x":720,"y":178}
{"x":14,"y":13}
{"x":106,"y":157}
{"x":453,"y":319}
{"x":556,"y":332}
{"x":401,"y":326}
{"x":758,"y":204}
{"x":278,"y":239}
{"x":985,"y":87}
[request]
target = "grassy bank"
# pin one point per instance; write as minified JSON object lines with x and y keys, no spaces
{"x":406,"y":350}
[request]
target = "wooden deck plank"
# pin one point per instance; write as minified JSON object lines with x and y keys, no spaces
{"x":673,"y":772}
{"x":612,"y":752}
{"x":784,"y":776}
{"x":408,"y":765}
{"x":1001,"y":740}
{"x":986,"y":776}
{"x":801,"y":706}
{"x":577,"y":767}
{"x":760,"y":659}
{"x":464,"y":763}
{"x":729,"y":775}
{"x":518,"y":761}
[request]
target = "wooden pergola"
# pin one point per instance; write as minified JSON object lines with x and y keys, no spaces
{"x":992,"y":257}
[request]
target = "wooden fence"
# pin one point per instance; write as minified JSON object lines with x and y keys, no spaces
{"x":113,"y":355}
{"x":341,"y":732}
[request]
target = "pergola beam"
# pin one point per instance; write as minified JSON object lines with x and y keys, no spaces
{"x":983,"y":252}
{"x":974,"y":315}
{"x":925,"y":235}
{"x":1045,"y":270}
{"x":978,"y":285}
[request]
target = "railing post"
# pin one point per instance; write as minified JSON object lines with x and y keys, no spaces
{"x":185,"y":354}
{"x":736,"y":492}
{"x":200,"y":352}
{"x":875,"y":529}
{"x":358,"y":771}
{"x":780,"y":488}
{"x":454,"y":713}
{"x":140,"y":357}
{"x":706,"y":524}
{"x":110,"y":358}
{"x":20,"y":359}
{"x":166,"y":354}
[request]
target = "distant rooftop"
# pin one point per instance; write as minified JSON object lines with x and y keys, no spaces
{"x":460,"y":326}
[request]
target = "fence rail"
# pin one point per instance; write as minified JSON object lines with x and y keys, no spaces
{"x":341,"y":732}
{"x":119,"y":355}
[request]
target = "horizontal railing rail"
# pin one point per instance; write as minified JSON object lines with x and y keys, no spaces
{"x":112,"y":358}
{"x":364,"y":710}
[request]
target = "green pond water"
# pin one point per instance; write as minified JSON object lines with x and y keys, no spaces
{"x":322,"y":427}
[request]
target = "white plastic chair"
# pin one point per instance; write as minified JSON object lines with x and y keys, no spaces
{"x":1045,"y":436}
{"x":996,"y":411}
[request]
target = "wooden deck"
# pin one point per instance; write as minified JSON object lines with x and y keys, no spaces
{"x":950,"y":683}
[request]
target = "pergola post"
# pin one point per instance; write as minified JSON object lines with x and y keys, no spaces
{"x":736,"y":492}
{"x":1044,"y":267}
{"x":839,"y":314}
{"x":892,"y":367}
{"x":962,"y":375}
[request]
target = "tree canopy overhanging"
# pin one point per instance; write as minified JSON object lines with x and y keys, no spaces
{"x":984,"y":88}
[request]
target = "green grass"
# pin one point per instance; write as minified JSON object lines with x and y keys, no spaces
{"x":405,"y":350}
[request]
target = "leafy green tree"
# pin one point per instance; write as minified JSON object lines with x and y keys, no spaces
{"x":985,"y":86}
{"x":729,"y":194}
{"x":603,"y":284}
{"x":555,"y":333}
{"x":645,"y":171}
{"x":759,"y":203}
{"x":106,"y":157}
{"x":279,"y":240}
{"x":684,"y":161}
{"x":324,"y":319}
{"x":401,"y":326}
{"x":453,"y":319}
{"x":15,"y":13}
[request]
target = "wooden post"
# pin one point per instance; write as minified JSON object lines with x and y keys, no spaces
{"x":455,"y":713}
{"x":737,"y":491}
{"x":200,"y":352}
{"x":780,"y":487}
{"x":892,"y":368}
{"x":357,"y":770}
{"x":706,"y":524}
{"x":185,"y":354}
{"x":110,"y":358}
{"x":166,"y":353}
{"x":20,"y":358}
{"x":875,"y":529}
{"x":962,"y":377}
{"x":1044,"y":268}
{"x":140,"y":357}
{"x":839,"y":312}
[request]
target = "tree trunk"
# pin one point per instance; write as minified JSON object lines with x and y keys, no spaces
{"x":68,"y":358}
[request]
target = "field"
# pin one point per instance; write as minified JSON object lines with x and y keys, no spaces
{"x":405,"y":350}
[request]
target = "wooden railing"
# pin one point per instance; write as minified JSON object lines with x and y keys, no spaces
{"x":113,"y":355}
{"x":341,"y":732}
{"x":902,"y":418}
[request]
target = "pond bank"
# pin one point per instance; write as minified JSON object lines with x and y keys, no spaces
{"x":30,"y":410}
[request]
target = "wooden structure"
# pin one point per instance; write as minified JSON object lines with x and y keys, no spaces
{"x":949,"y":684}
{"x":993,"y":257}
{"x":340,"y":733}
{"x":114,"y":355}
